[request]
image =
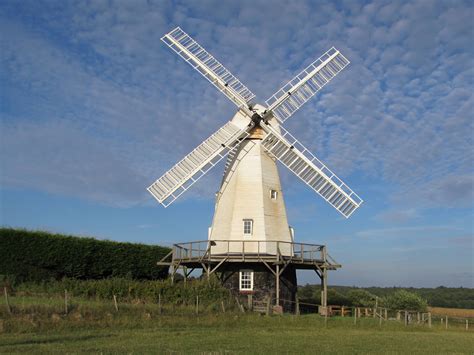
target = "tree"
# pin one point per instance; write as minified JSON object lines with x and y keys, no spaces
{"x":404,"y":300}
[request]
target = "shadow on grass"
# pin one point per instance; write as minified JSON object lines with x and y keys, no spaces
{"x":53,"y":340}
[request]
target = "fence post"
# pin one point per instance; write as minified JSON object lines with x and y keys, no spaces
{"x":223,"y":306}
{"x":429,"y":319}
{"x":159,"y":303}
{"x":342,"y":311}
{"x":406,"y":318}
{"x":398,"y":316}
{"x":354,"y":310}
{"x":66,"y":310}
{"x":269,"y":309}
{"x":467,"y":324}
{"x":418,"y":317}
{"x":9,"y":309}
{"x":446,"y":322}
{"x":115,"y":303}
{"x":197,"y":304}
{"x":386,"y":315}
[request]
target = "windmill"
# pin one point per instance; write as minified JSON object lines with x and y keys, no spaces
{"x":250,"y":239}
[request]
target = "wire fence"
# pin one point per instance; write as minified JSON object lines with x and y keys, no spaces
{"x":233,"y":304}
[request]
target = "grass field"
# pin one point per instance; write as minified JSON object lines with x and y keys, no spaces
{"x":38,"y":325}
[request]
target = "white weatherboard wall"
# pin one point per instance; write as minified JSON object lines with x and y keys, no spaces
{"x":245,"y":194}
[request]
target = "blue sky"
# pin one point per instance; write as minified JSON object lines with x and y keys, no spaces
{"x":95,"y":107}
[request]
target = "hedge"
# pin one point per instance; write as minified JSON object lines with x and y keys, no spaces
{"x":37,"y":256}
{"x":128,"y":290}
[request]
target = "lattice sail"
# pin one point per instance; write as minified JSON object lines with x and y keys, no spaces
{"x":302,"y":87}
{"x":194,"y":165}
{"x":311,"y":170}
{"x":188,"y":49}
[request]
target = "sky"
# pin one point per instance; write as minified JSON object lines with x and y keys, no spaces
{"x":94,"y":108}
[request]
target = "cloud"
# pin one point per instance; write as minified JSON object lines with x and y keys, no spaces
{"x":398,"y":216}
{"x":400,"y":114}
{"x":407,"y":232}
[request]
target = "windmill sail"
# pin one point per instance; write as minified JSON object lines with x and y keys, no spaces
{"x":208,"y":66}
{"x":311,"y":170}
{"x":197,"y":163}
{"x":307,"y":83}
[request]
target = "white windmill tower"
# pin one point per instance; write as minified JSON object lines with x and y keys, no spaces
{"x":250,"y":231}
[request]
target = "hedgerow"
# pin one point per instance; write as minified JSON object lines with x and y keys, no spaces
{"x":38,"y":256}
{"x":126,"y":289}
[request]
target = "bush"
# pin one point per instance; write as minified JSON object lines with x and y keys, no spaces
{"x":361,"y":298}
{"x":36,"y":256}
{"x":404,"y":300}
{"x":127,"y":289}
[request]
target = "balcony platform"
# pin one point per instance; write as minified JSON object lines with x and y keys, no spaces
{"x":214,"y":252}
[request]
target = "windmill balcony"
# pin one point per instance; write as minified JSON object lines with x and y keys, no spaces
{"x":303,"y":255}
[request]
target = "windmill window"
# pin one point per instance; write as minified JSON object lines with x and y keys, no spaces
{"x":246,"y":280}
{"x":273,"y":194}
{"x":248,"y":226}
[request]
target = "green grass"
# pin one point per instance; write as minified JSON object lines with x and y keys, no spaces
{"x":38,"y":325}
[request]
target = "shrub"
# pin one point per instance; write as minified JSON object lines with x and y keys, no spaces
{"x":361,"y":298}
{"x":35,"y":256}
{"x":404,"y":300}
{"x":127,"y":289}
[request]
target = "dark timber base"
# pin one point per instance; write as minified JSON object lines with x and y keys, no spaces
{"x":264,"y":284}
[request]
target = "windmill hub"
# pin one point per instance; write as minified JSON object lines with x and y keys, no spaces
{"x":250,"y":234}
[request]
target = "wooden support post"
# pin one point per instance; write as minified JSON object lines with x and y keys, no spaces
{"x":66,"y":310}
{"x":250,"y":301}
{"x":7,"y":302}
{"x":418,"y":317}
{"x":115,"y":303}
{"x":297,"y":306}
{"x":406,"y":318}
{"x":398,"y":316}
{"x":467,"y":324}
{"x":380,"y":320}
{"x":446,"y":322}
{"x":386,"y":315}
{"x":277,"y":283}
{"x":185,"y":272}
{"x":197,"y":304}
{"x":429,"y":319}
{"x":325,"y":280}
{"x":342,"y":311}
{"x":354,"y":310}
